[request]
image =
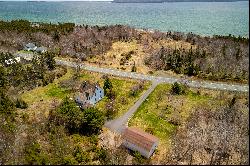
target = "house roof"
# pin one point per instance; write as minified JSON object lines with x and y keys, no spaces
{"x":30,"y":45}
{"x":139,"y":138}
{"x":89,"y":87}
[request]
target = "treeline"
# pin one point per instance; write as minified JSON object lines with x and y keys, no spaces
{"x":29,"y":27}
{"x":39,"y":72}
{"x":213,"y":58}
{"x":67,"y":39}
{"x":226,"y":56}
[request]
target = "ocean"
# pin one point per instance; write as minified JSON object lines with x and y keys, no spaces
{"x":204,"y":18}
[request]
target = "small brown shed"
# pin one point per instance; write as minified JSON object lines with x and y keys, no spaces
{"x":138,"y":140}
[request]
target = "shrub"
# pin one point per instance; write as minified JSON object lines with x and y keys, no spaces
{"x":48,"y":78}
{"x":34,"y":155}
{"x":138,"y":158}
{"x":68,"y":115}
{"x":69,"y":160}
{"x":21,"y":104}
{"x":178,"y":89}
{"x":80,"y":155}
{"x":93,"y":121}
{"x":136,"y":89}
{"x":101,"y":154}
{"x":111,"y":111}
{"x":110,"y":94}
{"x":133,"y":68}
{"x":61,"y":72}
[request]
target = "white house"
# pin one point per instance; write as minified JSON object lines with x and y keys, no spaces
{"x":30,"y":47}
{"x":138,"y":140}
{"x":41,"y":49}
{"x":11,"y":61}
{"x":89,"y":94}
{"x":26,"y":56}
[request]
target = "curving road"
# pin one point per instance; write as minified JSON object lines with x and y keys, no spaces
{"x":190,"y":83}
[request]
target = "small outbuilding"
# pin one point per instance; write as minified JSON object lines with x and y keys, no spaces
{"x":89,"y":94}
{"x":138,"y":140}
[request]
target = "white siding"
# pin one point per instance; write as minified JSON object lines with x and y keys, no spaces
{"x":97,"y":96}
{"x":153,"y":148}
{"x":142,"y":151}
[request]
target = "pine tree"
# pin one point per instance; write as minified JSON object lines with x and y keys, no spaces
{"x":107,"y":85}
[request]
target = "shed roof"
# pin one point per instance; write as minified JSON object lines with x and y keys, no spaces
{"x":139,"y":138}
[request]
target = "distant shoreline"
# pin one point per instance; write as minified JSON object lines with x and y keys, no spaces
{"x":171,"y":1}
{"x":148,"y":30}
{"x":133,"y":1}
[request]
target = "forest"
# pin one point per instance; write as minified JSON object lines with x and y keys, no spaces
{"x":216,"y":57}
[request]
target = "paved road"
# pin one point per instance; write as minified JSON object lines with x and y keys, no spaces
{"x":119,"y":124}
{"x":190,"y":83}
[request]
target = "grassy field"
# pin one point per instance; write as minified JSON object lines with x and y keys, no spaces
{"x":47,"y":92}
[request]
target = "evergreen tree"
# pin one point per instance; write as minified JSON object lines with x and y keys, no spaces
{"x":107,"y":85}
{"x":50,"y":61}
{"x":94,"y":120}
{"x":3,"y":79}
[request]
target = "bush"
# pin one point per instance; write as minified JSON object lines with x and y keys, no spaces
{"x":111,"y":110}
{"x":33,"y":155}
{"x":69,"y":160}
{"x":136,"y":89}
{"x":48,"y":78}
{"x":138,"y":158}
{"x":80,"y":155}
{"x":133,"y":68}
{"x":101,"y":154}
{"x":110,"y":94}
{"x":68,"y":115}
{"x":61,"y":72}
{"x":178,"y":89}
{"x":21,"y":104}
{"x":75,"y":120}
{"x":93,"y":121}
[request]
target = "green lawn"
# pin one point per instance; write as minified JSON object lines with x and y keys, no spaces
{"x":47,"y":92}
{"x":25,"y":51}
{"x":154,"y":113}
